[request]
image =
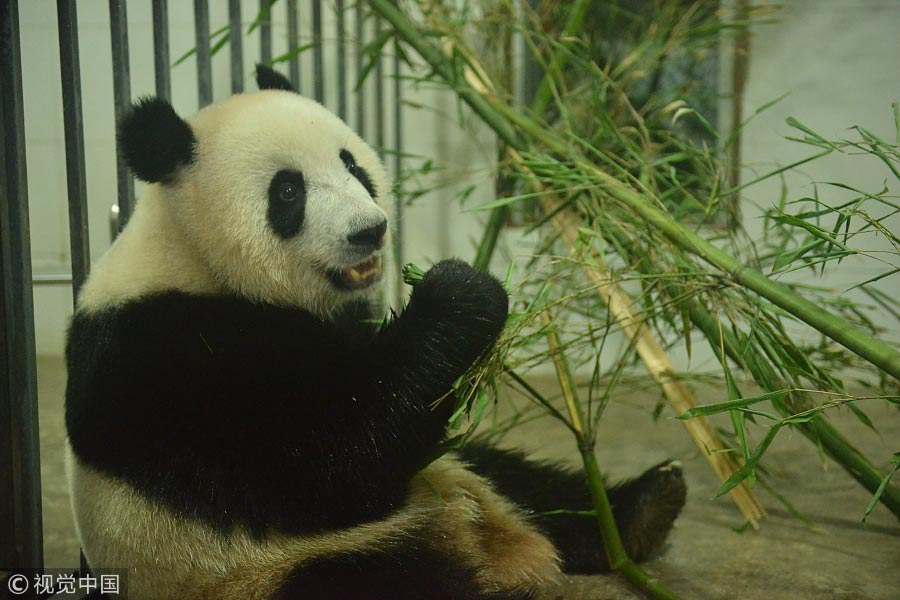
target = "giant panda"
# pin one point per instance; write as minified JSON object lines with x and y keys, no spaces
{"x":237,"y":428}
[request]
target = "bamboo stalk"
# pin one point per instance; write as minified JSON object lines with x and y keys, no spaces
{"x":618,"y":559}
{"x":658,"y":364}
{"x":612,"y":543}
{"x":489,"y":239}
{"x":502,"y":118}
{"x":566,"y":382}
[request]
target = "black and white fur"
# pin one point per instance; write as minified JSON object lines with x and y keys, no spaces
{"x":235,"y":431}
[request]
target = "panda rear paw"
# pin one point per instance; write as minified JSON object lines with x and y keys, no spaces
{"x":646,"y":507}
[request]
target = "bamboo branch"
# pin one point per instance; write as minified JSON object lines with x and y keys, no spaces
{"x":502,"y":118}
{"x":618,"y":559}
{"x":867,"y":347}
{"x":818,"y":430}
{"x":658,"y":364}
{"x":620,"y":307}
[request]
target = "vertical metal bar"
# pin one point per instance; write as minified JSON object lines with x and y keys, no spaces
{"x":76,"y":182}
{"x":341,"y":59}
{"x":161,"y":48}
{"x":236,"y":45}
{"x":293,"y":44}
{"x":204,"y":58}
{"x":265,"y":31}
{"x":21,"y":543}
{"x":379,"y":91}
{"x":361,"y":89}
{"x":398,"y":166}
{"x":318,"y":71}
{"x":118,"y":22}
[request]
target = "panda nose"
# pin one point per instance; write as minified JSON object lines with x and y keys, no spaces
{"x":372,"y":237}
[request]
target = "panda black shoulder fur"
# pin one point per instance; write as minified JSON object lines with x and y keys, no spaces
{"x":231,"y":438}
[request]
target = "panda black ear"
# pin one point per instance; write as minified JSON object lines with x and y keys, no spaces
{"x":270,"y":79}
{"x":154,"y":140}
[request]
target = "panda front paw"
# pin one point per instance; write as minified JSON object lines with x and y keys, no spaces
{"x":453,"y":290}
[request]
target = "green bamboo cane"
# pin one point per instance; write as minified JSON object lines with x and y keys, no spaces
{"x":499,"y":117}
{"x":489,"y":239}
{"x":616,"y":555}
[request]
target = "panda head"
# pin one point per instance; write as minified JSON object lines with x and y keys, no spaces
{"x":279,"y":199}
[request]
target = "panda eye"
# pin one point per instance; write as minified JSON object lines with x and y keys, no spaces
{"x":349,"y":162}
{"x":357,"y":171}
{"x":287,"y":203}
{"x":287,"y":192}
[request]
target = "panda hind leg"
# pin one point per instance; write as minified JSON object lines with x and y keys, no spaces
{"x":645,"y":507}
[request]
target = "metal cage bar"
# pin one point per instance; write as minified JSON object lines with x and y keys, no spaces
{"x":21,"y":543}
{"x":204,"y":57}
{"x":161,"y":49}
{"x":318,"y":57}
{"x":76,"y":181}
{"x":21,"y":535}
{"x":379,"y":92}
{"x":398,"y":167}
{"x":293,"y":44}
{"x":359,"y":46}
{"x":341,"y":59}
{"x":118,"y":25}
{"x":236,"y":46}
{"x":265,"y":31}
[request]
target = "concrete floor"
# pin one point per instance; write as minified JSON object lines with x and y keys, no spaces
{"x":840,"y":559}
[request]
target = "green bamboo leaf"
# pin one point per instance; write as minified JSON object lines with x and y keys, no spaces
{"x":737,"y":418}
{"x":482,"y":400}
{"x":261,"y":16}
{"x":788,"y":258}
{"x":863,"y":417}
{"x":215,"y":48}
{"x":714,"y":409}
{"x":507,"y":281}
{"x":884,"y":482}
{"x":761,"y":413}
{"x":295,"y":52}
{"x":792,"y":122}
{"x":373,"y":52}
{"x":749,"y":466}
{"x":815,"y":231}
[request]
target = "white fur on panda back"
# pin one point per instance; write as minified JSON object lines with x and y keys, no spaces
{"x":172,"y":557}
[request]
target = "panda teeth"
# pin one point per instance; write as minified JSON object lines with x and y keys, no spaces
{"x":361,"y":275}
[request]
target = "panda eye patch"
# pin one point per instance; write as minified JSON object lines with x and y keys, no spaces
{"x":357,"y":171}
{"x":287,"y":203}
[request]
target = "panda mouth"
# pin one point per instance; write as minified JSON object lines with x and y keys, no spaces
{"x":358,"y":276}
